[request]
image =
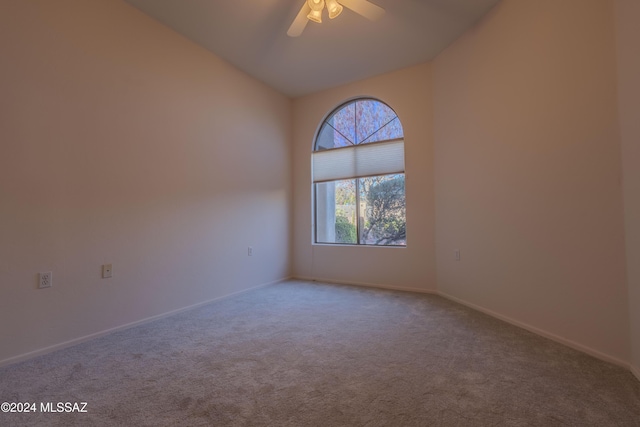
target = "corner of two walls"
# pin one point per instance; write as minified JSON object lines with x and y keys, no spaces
{"x":628,"y":34}
{"x":519,"y":122}
{"x":527,"y":173}
{"x":124,"y":143}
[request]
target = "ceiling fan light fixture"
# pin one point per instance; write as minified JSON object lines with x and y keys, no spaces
{"x":334,"y":8}
{"x":312,"y":11}
{"x":315,"y":16}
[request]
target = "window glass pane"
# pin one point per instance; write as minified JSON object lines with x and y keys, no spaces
{"x":392,"y":130}
{"x":330,"y":138}
{"x":336,"y":212}
{"x":372,"y":118}
{"x":344,"y":121}
{"x":383,"y":212}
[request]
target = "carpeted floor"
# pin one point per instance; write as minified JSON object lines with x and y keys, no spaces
{"x":306,"y":354}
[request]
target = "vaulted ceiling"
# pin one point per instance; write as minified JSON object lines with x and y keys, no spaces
{"x":252,"y":35}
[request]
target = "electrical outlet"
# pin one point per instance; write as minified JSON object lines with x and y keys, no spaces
{"x":250,"y":251}
{"x":107,"y":271}
{"x":45,"y":280}
{"x":456,"y":253}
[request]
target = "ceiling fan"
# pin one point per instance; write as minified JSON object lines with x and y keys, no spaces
{"x":312,"y":11}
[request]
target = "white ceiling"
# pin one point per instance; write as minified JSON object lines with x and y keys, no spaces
{"x":252,"y":35}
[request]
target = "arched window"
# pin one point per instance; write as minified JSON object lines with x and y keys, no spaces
{"x":358,"y":176}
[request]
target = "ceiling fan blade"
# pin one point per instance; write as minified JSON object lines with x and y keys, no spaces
{"x":365,"y":8}
{"x":298,"y":25}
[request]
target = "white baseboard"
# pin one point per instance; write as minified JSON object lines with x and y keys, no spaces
{"x":75,"y":341}
{"x":634,"y":370}
{"x":367,"y":285}
{"x":576,"y":346}
{"x":595,"y":353}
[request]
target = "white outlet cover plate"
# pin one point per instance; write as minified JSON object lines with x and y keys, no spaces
{"x":45,"y":280}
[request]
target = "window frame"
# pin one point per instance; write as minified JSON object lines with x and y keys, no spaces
{"x":357,"y":179}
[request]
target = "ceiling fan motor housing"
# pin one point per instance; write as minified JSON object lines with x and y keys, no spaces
{"x":316,"y":5}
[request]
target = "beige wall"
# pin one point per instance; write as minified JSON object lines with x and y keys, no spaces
{"x":122,"y":142}
{"x":408,"y":93}
{"x":628,"y":38}
{"x":527,"y":170}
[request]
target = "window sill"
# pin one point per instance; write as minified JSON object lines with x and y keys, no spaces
{"x":346,"y":245}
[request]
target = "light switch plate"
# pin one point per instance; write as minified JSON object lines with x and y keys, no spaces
{"x":107,"y":271}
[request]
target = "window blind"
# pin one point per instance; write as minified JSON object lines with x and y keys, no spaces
{"x":380,"y":158}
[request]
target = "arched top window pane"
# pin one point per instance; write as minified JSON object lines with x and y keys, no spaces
{"x":359,"y":122}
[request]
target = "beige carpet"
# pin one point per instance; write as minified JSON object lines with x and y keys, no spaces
{"x":305,"y":354}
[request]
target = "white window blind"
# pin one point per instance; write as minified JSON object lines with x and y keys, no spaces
{"x":379,"y":158}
